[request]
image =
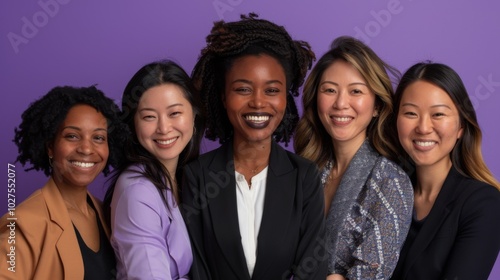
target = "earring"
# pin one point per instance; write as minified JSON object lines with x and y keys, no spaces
{"x":50,"y":161}
{"x":194,"y":130}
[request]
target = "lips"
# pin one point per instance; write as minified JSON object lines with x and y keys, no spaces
{"x":257,"y":121}
{"x":341,"y":120}
{"x":167,"y":141}
{"x":83,"y":164}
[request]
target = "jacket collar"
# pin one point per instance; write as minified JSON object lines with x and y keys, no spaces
{"x":278,"y":204}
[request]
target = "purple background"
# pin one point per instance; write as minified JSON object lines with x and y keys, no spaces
{"x":62,"y":42}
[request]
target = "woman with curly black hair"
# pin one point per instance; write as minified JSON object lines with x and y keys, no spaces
{"x":72,"y":135}
{"x":253,"y":209}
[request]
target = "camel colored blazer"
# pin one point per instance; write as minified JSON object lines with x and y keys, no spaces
{"x":46,"y":246}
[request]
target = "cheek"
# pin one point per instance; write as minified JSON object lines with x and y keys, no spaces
{"x":324,"y":104}
{"x":403,"y":128}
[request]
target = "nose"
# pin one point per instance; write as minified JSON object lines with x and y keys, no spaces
{"x":424,"y":125}
{"x":163,"y":125}
{"x":257,"y":100}
{"x":342,"y":101}
{"x":86,"y":147}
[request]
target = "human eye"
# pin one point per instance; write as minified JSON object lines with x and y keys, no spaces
{"x":71,"y":136}
{"x":327,"y":90}
{"x":100,"y":138}
{"x":273,"y":91}
{"x":409,"y":114}
{"x":438,"y":114}
{"x":356,"y":91}
{"x":243,"y":90}
{"x":148,"y":117}
{"x":175,"y":114}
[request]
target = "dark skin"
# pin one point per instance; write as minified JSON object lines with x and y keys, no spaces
{"x":255,"y":102}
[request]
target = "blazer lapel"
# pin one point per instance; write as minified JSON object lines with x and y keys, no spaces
{"x":435,"y":218}
{"x":278,"y":206}
{"x":67,"y":244}
{"x":224,"y":211}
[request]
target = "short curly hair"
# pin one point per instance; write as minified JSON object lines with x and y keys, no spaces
{"x":249,"y":36}
{"x":41,"y":121}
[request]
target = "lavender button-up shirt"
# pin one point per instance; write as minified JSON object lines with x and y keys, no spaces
{"x":149,"y":239}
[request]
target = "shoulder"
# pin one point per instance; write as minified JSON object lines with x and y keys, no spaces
{"x":132,"y":184}
{"x":387,"y":169}
{"x":478,"y":193}
{"x":31,"y":215}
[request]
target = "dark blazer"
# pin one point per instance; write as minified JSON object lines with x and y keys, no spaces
{"x":291,"y":236}
{"x":460,"y":238}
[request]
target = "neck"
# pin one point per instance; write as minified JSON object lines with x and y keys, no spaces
{"x":74,"y":197}
{"x":344,"y":152}
{"x":251,"y":157}
{"x":430,"y":179}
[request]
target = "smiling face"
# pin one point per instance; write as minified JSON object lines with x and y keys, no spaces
{"x":80,"y":149}
{"x":428,"y":124}
{"x":255,"y":97}
{"x":345,"y":103}
{"x":164,"y":123}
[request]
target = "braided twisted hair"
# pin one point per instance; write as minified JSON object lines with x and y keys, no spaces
{"x":249,"y":36}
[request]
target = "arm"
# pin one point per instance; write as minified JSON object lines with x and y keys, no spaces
{"x":478,"y":238}
{"x":191,"y":207}
{"x":311,"y":254}
{"x":137,"y":233}
{"x":381,"y":222}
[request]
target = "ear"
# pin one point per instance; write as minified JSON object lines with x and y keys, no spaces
{"x":50,"y":149}
{"x":460,"y":132}
{"x":375,"y":113}
{"x":223,"y":99}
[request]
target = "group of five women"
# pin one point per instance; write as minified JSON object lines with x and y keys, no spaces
{"x":340,"y":207}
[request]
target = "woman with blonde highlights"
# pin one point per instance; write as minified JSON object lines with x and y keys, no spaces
{"x":454,"y":232}
{"x":368,"y":198}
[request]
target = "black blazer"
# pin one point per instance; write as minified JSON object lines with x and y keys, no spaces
{"x":460,"y":238}
{"x":291,"y":236}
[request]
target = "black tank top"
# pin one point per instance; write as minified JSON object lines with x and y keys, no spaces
{"x":100,"y":265}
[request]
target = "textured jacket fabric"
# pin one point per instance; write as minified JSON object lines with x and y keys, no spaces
{"x":369,"y":217}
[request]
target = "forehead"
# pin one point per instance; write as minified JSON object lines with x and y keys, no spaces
{"x":256,"y":64}
{"x":163,"y":95}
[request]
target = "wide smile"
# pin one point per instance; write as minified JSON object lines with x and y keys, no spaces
{"x":166,"y":142}
{"x":257,"y":120}
{"x":341,"y":120}
{"x":82,"y":164}
{"x":424,"y":145}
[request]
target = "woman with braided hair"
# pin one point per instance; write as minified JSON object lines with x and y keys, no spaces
{"x":253,"y":209}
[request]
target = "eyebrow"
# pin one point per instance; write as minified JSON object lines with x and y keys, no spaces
{"x":335,"y":84}
{"x":250,"y":82}
{"x":79,"y":129}
{"x":168,"y":107}
{"x":433,"y":106}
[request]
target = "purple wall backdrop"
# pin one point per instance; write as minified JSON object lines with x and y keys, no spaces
{"x":62,"y":42}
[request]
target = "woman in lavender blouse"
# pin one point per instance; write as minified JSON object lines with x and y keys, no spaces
{"x":149,"y":236}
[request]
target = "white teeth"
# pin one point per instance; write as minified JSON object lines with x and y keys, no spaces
{"x":257,"y":119}
{"x":425,"y":143}
{"x":167,"y":141}
{"x":344,"y":119}
{"x":83,"y":164}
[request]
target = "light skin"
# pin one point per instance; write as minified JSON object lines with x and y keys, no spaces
{"x":164,"y":123}
{"x":346,"y":106}
{"x":79,"y":153}
{"x":429,"y":126}
{"x":255,"y":101}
